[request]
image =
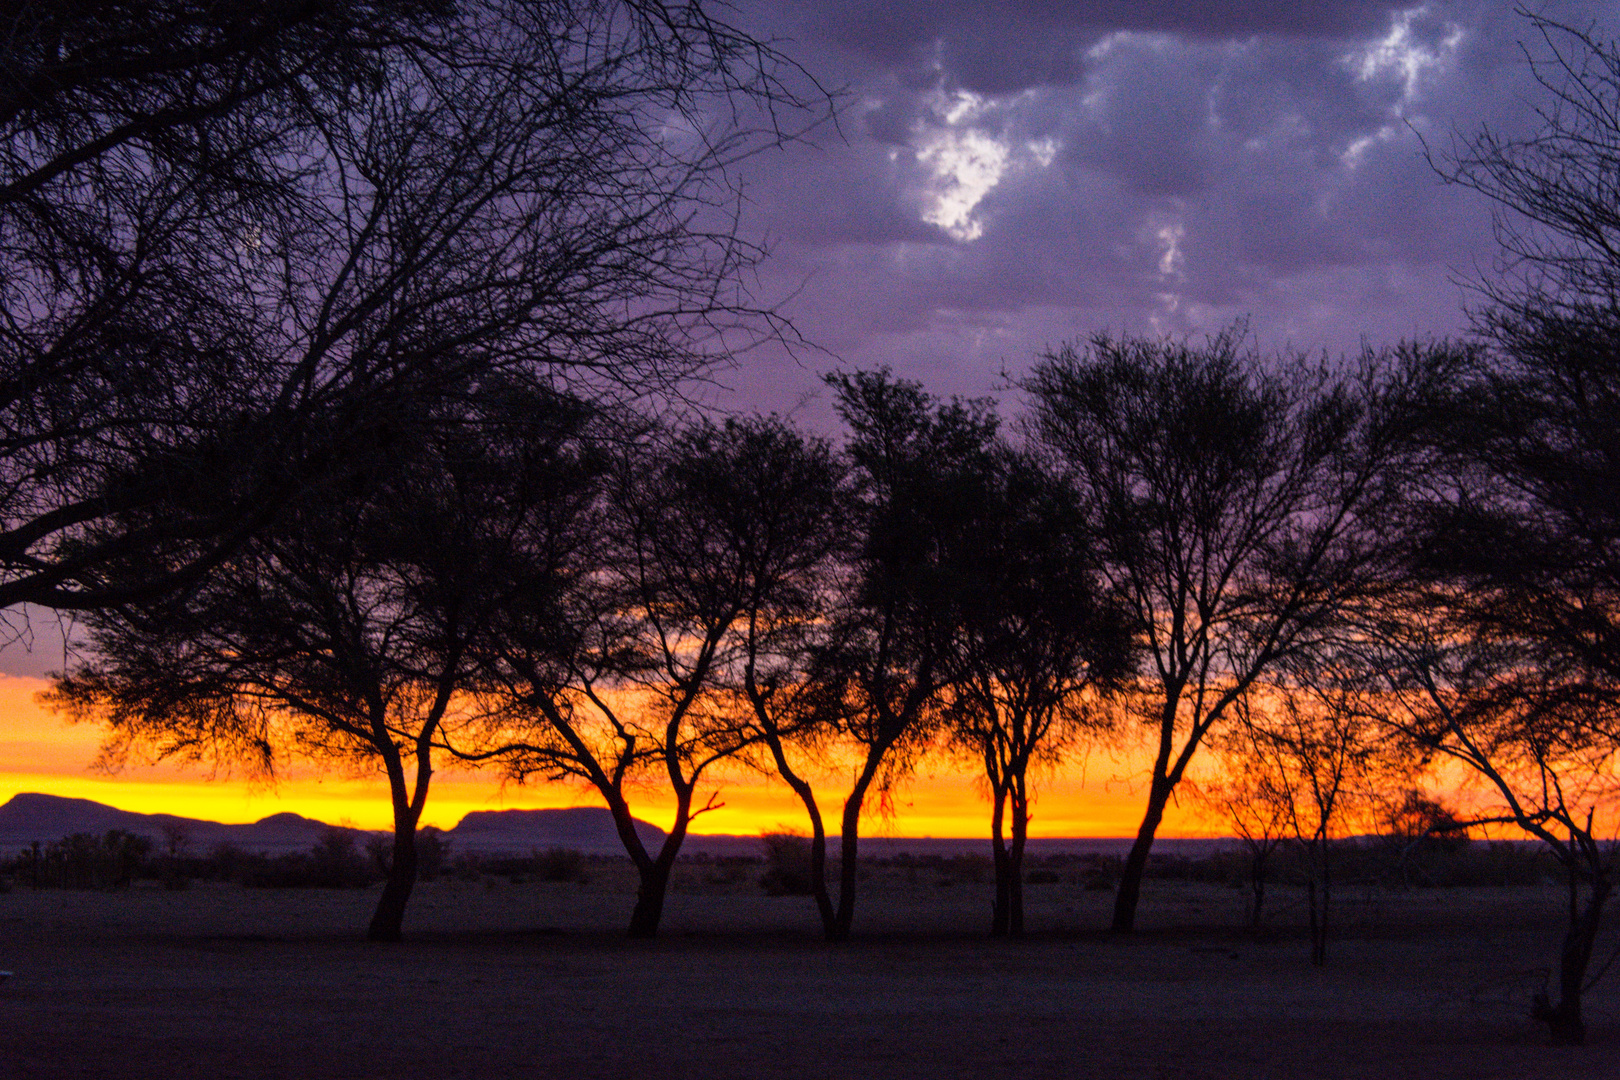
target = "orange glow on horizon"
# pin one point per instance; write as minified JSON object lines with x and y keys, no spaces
{"x":42,"y":752}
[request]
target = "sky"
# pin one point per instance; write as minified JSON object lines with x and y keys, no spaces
{"x":1009,"y":176}
{"x":1005,"y":177}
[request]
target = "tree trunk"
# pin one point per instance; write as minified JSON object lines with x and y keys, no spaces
{"x":650,"y":898}
{"x":655,"y":873}
{"x":388,"y":921}
{"x":1015,"y":859}
{"x":818,"y":877}
{"x":1319,"y":901}
{"x":1257,"y":885}
{"x":1001,"y":906}
{"x":1130,"y":878}
{"x":849,"y":846}
{"x":1564,"y":1019}
{"x":818,"y":837}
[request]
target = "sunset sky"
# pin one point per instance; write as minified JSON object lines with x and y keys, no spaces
{"x":1006,"y":177}
{"x":40,"y":751}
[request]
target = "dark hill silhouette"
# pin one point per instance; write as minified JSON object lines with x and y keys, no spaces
{"x":584,"y":828}
{"x":31,"y":816}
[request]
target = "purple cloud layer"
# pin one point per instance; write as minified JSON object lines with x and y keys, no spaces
{"x":1016,"y":174}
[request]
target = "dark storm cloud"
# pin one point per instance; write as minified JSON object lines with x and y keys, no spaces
{"x":1006,"y":46}
{"x":1013,"y":174}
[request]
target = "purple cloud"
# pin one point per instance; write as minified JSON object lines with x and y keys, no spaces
{"x":1015,"y":174}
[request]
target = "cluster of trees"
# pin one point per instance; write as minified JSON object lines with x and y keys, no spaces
{"x":1218,"y":544}
{"x":576,"y":595}
{"x":328,"y":337}
{"x":84,"y":861}
{"x":262,"y":260}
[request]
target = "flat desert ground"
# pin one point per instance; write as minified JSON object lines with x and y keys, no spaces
{"x":536,"y":979}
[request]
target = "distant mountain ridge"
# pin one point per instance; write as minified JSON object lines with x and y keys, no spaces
{"x":31,"y":816}
{"x":584,"y":828}
{"x":588,"y":829}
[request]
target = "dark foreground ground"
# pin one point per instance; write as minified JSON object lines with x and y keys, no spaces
{"x":502,"y":979}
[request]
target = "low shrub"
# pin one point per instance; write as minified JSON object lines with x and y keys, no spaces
{"x":787,"y":864}
{"x":333,"y":863}
{"x":560,"y":864}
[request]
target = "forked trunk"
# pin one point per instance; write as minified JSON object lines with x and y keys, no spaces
{"x":818,"y":878}
{"x":388,"y":921}
{"x":653,"y":872}
{"x":848,"y":852}
{"x":818,"y":836}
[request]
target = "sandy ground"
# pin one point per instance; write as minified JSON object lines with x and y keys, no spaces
{"x":502,"y":979}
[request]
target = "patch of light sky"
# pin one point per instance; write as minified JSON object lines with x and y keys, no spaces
{"x":1108,"y":43}
{"x":1168,"y":236}
{"x":964,"y":145}
{"x":1399,"y":55}
{"x":1172,"y":262}
{"x":964,"y":161}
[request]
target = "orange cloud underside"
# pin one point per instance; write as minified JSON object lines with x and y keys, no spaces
{"x":40,"y":751}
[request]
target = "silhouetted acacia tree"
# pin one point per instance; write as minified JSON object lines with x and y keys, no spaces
{"x":919,"y":474}
{"x":238,"y":237}
{"x":1556,"y":226}
{"x":1238,"y":502}
{"x":1249,"y":799}
{"x":704,"y":538}
{"x":1522,"y":541}
{"x":1529,"y":522}
{"x":780,"y":680}
{"x":348,"y":629}
{"x":1543,"y":733}
{"x":1037,"y":630}
{"x":140,"y":144}
{"x":187,"y":83}
{"x":1321,"y":759}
